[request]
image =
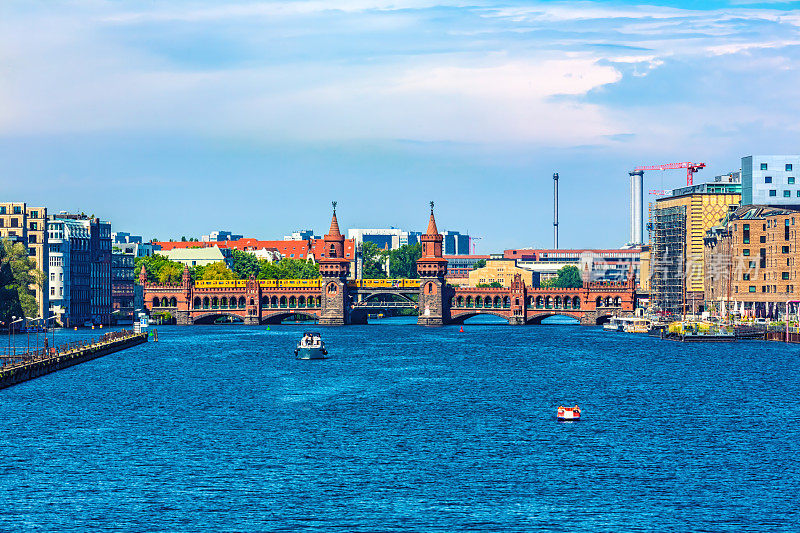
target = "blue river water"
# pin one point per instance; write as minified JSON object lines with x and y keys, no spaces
{"x":404,"y":428}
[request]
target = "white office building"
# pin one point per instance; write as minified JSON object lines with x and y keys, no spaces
{"x":770,"y":180}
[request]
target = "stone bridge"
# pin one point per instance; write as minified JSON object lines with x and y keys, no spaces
{"x":334,"y":300}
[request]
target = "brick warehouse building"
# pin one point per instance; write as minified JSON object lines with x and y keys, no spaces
{"x":751,"y":262}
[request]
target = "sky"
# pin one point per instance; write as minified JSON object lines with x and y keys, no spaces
{"x":178,"y":118}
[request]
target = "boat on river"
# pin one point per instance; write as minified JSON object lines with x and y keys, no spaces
{"x":616,"y":323}
{"x":311,"y":347}
{"x":568,"y":413}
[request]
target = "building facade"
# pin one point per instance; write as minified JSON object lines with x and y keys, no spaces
{"x":200,"y":256}
{"x":752,"y":262}
{"x":502,"y":271}
{"x":220,"y":235}
{"x":28,"y":226}
{"x":770,"y":180}
{"x":677,"y":229}
{"x":602,"y":264}
{"x":456,"y":243}
{"x":122,"y":285}
{"x":459,"y":266}
{"x":80,"y":269}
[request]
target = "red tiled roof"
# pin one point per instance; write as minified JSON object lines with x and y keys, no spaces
{"x":290,"y":249}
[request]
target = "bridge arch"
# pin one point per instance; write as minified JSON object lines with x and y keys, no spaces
{"x":209,"y":318}
{"x":461,"y":317}
{"x":279,"y":316}
{"x":538,"y":317}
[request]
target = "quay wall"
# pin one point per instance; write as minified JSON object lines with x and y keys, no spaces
{"x":27,"y":370}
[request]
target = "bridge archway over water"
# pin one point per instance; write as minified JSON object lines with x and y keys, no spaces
{"x":277,"y":318}
{"x":211,"y":318}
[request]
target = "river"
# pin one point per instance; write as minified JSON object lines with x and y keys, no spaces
{"x":404,"y":428}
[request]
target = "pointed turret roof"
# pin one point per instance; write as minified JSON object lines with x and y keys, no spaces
{"x":432,"y":230}
{"x":334,"y":231}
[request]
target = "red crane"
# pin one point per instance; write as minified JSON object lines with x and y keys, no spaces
{"x":690,"y":167}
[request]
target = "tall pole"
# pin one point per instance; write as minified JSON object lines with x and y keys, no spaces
{"x":555,"y":211}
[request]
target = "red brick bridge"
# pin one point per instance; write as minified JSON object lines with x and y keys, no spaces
{"x":333,"y":300}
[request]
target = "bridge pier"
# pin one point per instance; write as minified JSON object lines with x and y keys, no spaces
{"x":183,"y":318}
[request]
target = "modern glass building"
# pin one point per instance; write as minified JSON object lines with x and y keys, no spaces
{"x":771,"y":180}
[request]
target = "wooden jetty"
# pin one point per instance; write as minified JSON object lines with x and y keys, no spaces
{"x":30,"y":365}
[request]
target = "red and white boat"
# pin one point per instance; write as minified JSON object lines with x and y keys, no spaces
{"x":569,"y":413}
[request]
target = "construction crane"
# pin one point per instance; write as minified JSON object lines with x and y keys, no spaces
{"x":690,"y":167}
{"x":636,"y":201}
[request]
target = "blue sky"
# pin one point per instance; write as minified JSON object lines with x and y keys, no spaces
{"x":178,"y":118}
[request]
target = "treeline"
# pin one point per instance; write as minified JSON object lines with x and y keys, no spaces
{"x":18,"y":273}
{"x":162,"y":270}
{"x":402,"y":261}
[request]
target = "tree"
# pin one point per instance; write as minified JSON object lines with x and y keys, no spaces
{"x":287,"y":268}
{"x":18,"y":273}
{"x":480,"y":263}
{"x":492,"y":285}
{"x":372,"y":261}
{"x":154,"y":265}
{"x":567,"y":277}
{"x":403,"y":261}
{"x":218,"y":270}
{"x":171,"y":272}
{"x":245,"y":264}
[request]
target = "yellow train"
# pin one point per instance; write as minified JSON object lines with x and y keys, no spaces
{"x":396,"y":283}
{"x":268,"y":283}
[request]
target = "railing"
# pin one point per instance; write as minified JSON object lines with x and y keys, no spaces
{"x":386,"y":305}
{"x":9,"y":361}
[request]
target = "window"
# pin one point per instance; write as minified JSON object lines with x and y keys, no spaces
{"x":790,"y":180}
{"x":784,"y":249}
{"x":2,"y":210}
{"x":751,"y":264}
{"x":767,"y":179}
{"x":763,"y":166}
{"x":784,"y":275}
{"x":788,"y":167}
{"x":746,"y":233}
{"x":17,"y":210}
{"x":787,"y":194}
{"x":52,"y":291}
{"x":14,"y":223}
{"x":763,"y":238}
{"x":34,"y":214}
{"x":752,"y":288}
{"x":745,"y":277}
{"x":746,"y":252}
{"x":773,"y":192}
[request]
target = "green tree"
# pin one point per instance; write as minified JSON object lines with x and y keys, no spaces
{"x":287,"y":268}
{"x":245,"y":264}
{"x":171,"y":272}
{"x":218,"y":270}
{"x":18,"y":273}
{"x":480,"y":263}
{"x":567,"y":277}
{"x":492,"y":285}
{"x":403,"y":261}
{"x":372,"y":261}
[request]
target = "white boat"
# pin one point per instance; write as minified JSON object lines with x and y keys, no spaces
{"x":636,"y":325}
{"x":568,"y":413}
{"x":311,"y":347}
{"x":615,"y":324}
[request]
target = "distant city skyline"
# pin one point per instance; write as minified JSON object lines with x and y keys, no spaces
{"x":180,"y":118}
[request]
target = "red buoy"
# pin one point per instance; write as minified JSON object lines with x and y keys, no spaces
{"x":461,"y":330}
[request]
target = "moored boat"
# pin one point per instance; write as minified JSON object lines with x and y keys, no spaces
{"x":311,"y":347}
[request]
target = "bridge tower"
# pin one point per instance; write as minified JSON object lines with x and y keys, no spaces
{"x":182,"y":317}
{"x":432,"y":267}
{"x":334,"y":268}
{"x":519,"y":295}
{"x":252,"y":301}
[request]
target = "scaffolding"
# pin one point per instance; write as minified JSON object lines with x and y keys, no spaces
{"x":668,"y":260}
